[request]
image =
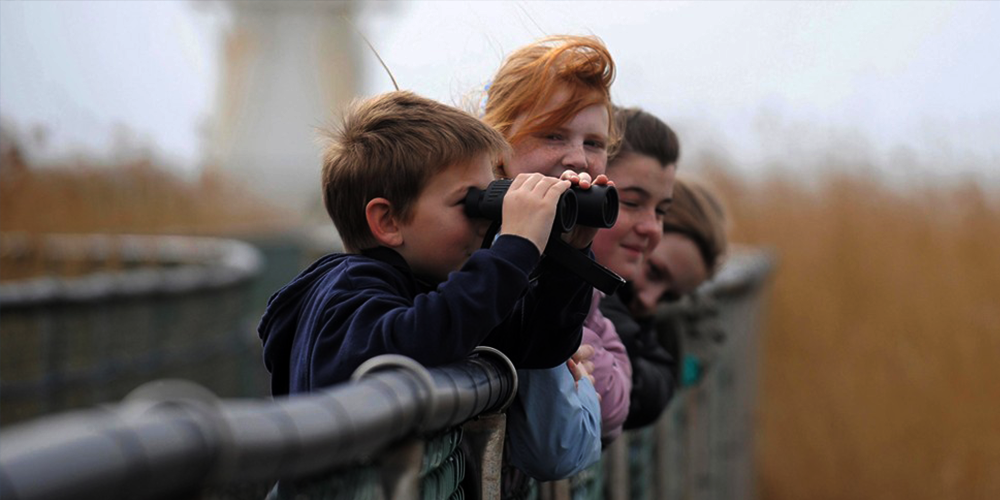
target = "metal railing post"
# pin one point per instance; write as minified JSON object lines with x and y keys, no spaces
{"x":399,"y":469}
{"x":484,"y":437}
{"x":616,"y":470}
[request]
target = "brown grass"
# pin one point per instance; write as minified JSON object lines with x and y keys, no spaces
{"x":880,"y":373}
{"x":138,"y":197}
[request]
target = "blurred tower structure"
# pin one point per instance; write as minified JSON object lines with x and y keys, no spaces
{"x":287,"y":68}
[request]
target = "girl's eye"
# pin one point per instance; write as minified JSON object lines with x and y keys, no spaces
{"x":595,"y":144}
{"x":630,"y":204}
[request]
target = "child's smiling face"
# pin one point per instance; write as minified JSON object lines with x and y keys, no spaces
{"x":581,"y":144}
{"x":645,"y":191}
{"x":674,"y":268}
{"x":439,"y":237}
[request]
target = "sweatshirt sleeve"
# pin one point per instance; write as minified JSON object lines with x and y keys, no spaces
{"x":547,"y":325}
{"x":554,"y":424}
{"x":612,"y":370}
{"x":366,"y":314}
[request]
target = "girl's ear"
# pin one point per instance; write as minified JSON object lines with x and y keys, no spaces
{"x":382,"y":223}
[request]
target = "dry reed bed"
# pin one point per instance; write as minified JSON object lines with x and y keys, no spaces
{"x":880,"y":373}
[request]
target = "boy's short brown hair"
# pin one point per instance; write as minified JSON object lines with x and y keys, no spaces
{"x":389,"y":146}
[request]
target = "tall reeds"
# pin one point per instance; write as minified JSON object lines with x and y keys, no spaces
{"x":879,"y":364}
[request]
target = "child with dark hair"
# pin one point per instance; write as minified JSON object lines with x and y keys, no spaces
{"x":690,"y":252}
{"x":648,"y":156}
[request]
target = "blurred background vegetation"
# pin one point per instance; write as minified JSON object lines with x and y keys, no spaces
{"x":133,"y":197}
{"x":878,"y":361}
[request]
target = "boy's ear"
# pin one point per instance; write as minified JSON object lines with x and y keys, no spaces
{"x":382,"y":224}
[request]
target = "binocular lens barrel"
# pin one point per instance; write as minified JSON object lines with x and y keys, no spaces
{"x":488,"y":204}
{"x":598,"y":206}
{"x":567,"y":212}
{"x":594,"y":207}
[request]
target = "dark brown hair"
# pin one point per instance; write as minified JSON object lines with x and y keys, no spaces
{"x":645,"y":134}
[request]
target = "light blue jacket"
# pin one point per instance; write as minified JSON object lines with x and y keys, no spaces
{"x":554,"y":424}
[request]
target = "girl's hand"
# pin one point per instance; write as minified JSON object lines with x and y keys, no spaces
{"x":581,"y":236}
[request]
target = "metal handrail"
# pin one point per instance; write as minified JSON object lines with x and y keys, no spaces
{"x":198,"y":263}
{"x":170,"y":438}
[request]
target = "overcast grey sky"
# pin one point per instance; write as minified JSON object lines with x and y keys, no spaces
{"x":758,"y":81}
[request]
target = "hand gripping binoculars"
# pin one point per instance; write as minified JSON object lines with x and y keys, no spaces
{"x":594,"y":207}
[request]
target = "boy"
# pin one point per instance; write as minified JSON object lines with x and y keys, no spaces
{"x":413,"y":280}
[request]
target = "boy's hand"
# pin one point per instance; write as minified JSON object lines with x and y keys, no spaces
{"x":581,"y":236}
{"x":529,"y":207}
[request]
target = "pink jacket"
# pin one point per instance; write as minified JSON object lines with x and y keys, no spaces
{"x":612,"y":370}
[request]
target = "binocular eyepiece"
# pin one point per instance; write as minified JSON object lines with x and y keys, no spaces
{"x":594,"y":207}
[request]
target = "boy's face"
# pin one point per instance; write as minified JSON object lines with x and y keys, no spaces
{"x":440,"y":237}
{"x":645,"y":190}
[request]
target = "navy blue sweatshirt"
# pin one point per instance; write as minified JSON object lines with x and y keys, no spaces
{"x":347,"y":308}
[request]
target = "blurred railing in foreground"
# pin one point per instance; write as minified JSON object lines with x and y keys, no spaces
{"x":174,"y":439}
{"x":407,"y":432}
{"x":87,"y":318}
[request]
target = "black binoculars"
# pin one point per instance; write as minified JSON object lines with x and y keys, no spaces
{"x":594,"y":207}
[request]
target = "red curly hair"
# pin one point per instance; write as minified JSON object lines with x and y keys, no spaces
{"x":533,"y":74}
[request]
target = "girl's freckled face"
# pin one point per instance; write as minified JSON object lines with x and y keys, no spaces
{"x":579,"y":144}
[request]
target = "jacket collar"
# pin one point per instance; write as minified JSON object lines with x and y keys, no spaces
{"x":392,"y":257}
